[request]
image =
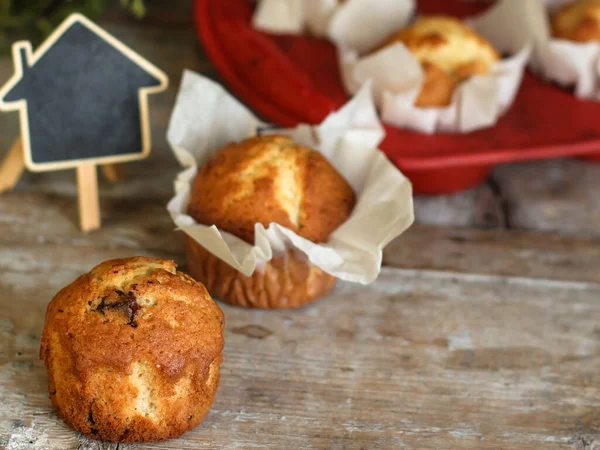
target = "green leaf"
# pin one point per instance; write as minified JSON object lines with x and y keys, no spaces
{"x":136,"y":7}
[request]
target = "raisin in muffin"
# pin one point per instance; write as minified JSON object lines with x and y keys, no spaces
{"x":449,"y":52}
{"x":267,"y":179}
{"x":132,"y":350}
{"x":578,"y":21}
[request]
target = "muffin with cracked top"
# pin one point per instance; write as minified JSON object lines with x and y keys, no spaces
{"x":133,"y":350}
{"x":267,"y":179}
{"x":449,"y":52}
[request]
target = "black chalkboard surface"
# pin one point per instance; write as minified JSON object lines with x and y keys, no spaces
{"x":82,"y":97}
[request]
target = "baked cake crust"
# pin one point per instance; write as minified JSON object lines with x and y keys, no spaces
{"x":268,"y":179}
{"x":449,"y":52}
{"x":132,"y":350}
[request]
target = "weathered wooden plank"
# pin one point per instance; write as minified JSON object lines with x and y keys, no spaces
{"x":420,"y":359}
{"x":497,"y":252}
{"x":141,"y":225}
{"x":561,"y":194}
{"x":477,"y":207}
{"x":133,"y":225}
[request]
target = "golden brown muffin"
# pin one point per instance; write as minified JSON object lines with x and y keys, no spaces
{"x":578,"y":21}
{"x":449,"y":52}
{"x":268,"y":179}
{"x":132,"y":350}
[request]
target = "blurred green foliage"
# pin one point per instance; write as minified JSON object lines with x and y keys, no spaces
{"x":35,"y":19}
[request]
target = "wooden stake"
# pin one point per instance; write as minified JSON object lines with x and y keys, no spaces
{"x":87,"y":187}
{"x":112,"y":172}
{"x":12,"y":166}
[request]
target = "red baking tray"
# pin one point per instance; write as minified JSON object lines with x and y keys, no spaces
{"x":295,"y":79}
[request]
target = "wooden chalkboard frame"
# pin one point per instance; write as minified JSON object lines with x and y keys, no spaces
{"x":24,"y":47}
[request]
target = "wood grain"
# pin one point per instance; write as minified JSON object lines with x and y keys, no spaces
{"x":556,"y":195}
{"x":138,"y":224}
{"x":419,"y":359}
{"x":547,"y":255}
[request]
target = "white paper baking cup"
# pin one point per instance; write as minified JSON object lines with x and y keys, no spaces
{"x":206,"y":117}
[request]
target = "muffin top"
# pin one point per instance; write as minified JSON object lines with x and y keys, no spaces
{"x":268,"y":179}
{"x":578,"y":21}
{"x":447,"y":43}
{"x":438,"y":87}
{"x":134,"y":310}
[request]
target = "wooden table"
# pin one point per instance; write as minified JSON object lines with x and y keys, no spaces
{"x":483,"y":331}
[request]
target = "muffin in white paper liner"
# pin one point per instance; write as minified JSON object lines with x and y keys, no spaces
{"x":206,"y":118}
{"x":317,"y":16}
{"x":397,"y":77}
{"x":564,"y":62}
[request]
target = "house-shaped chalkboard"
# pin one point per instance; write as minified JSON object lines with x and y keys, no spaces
{"x":82,"y":96}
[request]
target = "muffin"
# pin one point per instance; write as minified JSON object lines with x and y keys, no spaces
{"x":267,"y":179}
{"x":578,"y":21}
{"x":449,"y":52}
{"x":132,"y":350}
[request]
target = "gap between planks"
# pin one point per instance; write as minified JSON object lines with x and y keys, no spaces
{"x":483,"y":278}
